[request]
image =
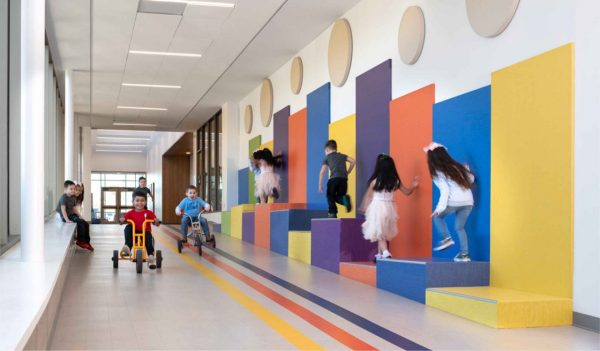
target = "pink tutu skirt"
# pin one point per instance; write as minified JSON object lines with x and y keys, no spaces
{"x":380,"y":220}
{"x":265,"y":183}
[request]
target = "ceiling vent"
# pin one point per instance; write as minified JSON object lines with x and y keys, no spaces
{"x":162,"y":7}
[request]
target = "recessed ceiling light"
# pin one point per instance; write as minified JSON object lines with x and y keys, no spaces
{"x":164,"y":53}
{"x":134,"y":124}
{"x":151,"y":86}
{"x":200,"y":3}
{"x":121,"y":138}
{"x":118,"y":150}
{"x":121,"y":145}
{"x":142,"y":108}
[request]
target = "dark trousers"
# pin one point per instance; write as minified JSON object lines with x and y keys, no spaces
{"x":337,"y":188}
{"x":83,"y":227}
{"x":148,"y":239}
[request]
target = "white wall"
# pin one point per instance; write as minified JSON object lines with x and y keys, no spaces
{"x":119,"y":162}
{"x":457,"y":60}
{"x":587,"y":159}
{"x":230,"y":154}
{"x":161,"y":142}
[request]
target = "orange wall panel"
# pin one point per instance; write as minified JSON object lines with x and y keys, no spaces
{"x":411,"y":119}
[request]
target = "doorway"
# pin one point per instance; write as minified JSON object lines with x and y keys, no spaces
{"x":176,"y":176}
{"x":114,"y":202}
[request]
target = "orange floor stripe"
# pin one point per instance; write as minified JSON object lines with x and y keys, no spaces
{"x":325,"y":326}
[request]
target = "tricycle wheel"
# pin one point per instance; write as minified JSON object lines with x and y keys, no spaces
{"x":159,"y":259}
{"x":179,"y":246}
{"x":115,"y":258}
{"x":139,"y":260}
{"x":200,"y":250}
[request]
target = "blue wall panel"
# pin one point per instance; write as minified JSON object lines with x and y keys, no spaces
{"x":243,"y":186}
{"x":318,"y":106}
{"x":462,"y":124}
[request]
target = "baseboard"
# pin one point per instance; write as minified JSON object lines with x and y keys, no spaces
{"x":586,"y":321}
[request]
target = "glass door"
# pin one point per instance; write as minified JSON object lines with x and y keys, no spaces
{"x":114,"y":202}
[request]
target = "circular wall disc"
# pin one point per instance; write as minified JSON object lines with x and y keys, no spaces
{"x":340,"y":52}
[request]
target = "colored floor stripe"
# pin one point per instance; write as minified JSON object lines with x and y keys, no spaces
{"x":322,"y":324}
{"x":352,"y":317}
{"x":291,"y":334}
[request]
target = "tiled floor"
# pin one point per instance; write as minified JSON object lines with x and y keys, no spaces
{"x":192,"y":304}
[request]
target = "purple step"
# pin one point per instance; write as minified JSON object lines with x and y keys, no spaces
{"x":339,"y":240}
{"x":248,"y":227}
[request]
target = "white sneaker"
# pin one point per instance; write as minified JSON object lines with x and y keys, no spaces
{"x":386,"y":254}
{"x":125,"y":251}
{"x":444,"y":244}
{"x":462,"y":257}
{"x":151,"y":262}
{"x":377,"y":257}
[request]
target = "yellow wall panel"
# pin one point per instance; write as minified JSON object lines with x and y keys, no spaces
{"x":236,"y":219}
{"x":344,"y":133}
{"x":299,"y":246}
{"x":532,"y":175}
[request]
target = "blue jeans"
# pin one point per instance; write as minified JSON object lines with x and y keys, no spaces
{"x":185,"y":223}
{"x":462,"y":213}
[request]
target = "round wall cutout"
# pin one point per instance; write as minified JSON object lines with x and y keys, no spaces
{"x":248,"y":119}
{"x":411,"y":35}
{"x":266,"y":102}
{"x":296,"y":75}
{"x":340,"y":52}
{"x":489,"y":18}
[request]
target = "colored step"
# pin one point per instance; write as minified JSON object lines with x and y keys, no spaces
{"x":299,"y":246}
{"x":283,"y":222}
{"x":248,"y":227}
{"x":226,"y":222}
{"x":502,"y":308}
{"x":236,"y":219}
{"x":364,"y":272}
{"x":262,"y":221}
{"x":214,"y":227}
{"x":410,"y":278}
{"x":338,"y":240}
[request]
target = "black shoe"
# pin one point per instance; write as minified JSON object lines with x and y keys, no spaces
{"x":275,"y":194}
{"x":347,"y":203}
{"x":331,"y":215}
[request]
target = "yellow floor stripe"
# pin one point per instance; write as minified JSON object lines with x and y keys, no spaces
{"x":291,"y":334}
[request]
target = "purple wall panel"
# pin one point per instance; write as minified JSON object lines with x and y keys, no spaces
{"x":280,"y":145}
{"x":373,"y":95}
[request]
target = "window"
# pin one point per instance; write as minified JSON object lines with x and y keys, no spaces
{"x":115,"y":180}
{"x":3,"y":124}
{"x":209,"y":161}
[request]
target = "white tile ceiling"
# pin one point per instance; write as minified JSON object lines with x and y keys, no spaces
{"x":239,"y":46}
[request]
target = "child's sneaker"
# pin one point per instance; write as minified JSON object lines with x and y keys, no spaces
{"x":444,"y":244}
{"x":386,"y":254}
{"x":89,"y":247}
{"x":151,"y":262}
{"x":125,"y":251}
{"x":331,"y":215}
{"x":462,"y":257}
{"x":81,"y":244}
{"x":346,"y":201}
{"x":377,"y":257}
{"x":275,"y":194}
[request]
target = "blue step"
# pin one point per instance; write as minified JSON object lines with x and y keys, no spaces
{"x":284,"y":221}
{"x":410,"y":278}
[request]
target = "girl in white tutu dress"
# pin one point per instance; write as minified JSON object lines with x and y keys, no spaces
{"x":379,"y":205}
{"x":268,"y":183}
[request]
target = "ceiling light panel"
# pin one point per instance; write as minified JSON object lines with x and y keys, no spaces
{"x":120,"y":145}
{"x":122,"y":138}
{"x":121,"y":107}
{"x":199,"y":3}
{"x":151,"y":86}
{"x":105,"y":150}
{"x":161,"y":7}
{"x":164,"y":53}
{"x":134,"y":124}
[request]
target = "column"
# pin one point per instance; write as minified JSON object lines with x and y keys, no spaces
{"x":69,"y":125}
{"x":32,"y":129}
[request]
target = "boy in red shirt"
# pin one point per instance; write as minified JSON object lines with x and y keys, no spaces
{"x":138,"y":215}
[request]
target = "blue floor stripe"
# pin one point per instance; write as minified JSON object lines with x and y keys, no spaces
{"x":362,"y":322}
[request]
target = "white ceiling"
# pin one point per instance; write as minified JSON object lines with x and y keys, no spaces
{"x":239,"y":47}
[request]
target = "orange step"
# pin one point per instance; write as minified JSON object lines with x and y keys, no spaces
{"x":364,"y":272}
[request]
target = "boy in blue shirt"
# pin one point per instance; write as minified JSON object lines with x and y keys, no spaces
{"x":192,"y":206}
